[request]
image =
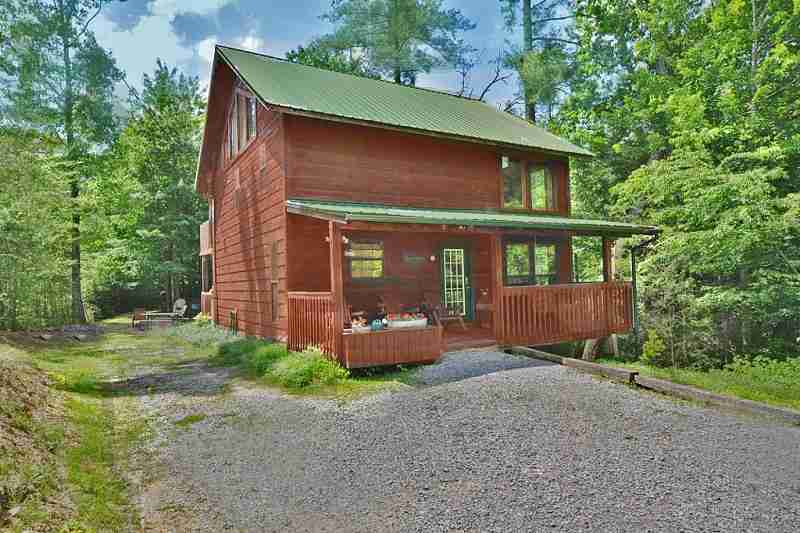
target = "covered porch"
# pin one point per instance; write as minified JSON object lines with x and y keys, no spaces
{"x":483,"y":271}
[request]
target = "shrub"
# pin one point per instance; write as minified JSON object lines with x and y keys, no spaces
{"x":203,"y":320}
{"x":233,"y":353}
{"x":301,"y":369}
{"x":260,"y":360}
{"x":654,"y":351}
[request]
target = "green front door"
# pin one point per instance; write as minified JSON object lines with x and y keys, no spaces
{"x":456,"y":286}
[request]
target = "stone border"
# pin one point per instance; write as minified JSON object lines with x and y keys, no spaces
{"x":685,"y":392}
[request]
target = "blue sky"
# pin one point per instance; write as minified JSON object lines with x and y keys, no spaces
{"x":183,"y":34}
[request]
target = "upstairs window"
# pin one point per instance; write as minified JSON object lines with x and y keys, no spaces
{"x":527,"y":185}
{"x":513,"y":197}
{"x":366,"y":260}
{"x":241,"y":122}
{"x":540,"y":185}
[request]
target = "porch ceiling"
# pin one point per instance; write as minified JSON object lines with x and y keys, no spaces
{"x":362,"y":212}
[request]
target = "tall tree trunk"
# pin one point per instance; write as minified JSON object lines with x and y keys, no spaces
{"x":78,"y":314}
{"x":527,"y":46}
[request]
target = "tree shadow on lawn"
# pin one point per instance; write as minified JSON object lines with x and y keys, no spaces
{"x":187,"y":378}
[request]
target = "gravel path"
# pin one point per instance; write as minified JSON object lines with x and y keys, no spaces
{"x":537,"y":448}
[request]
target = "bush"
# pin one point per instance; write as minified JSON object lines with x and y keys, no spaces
{"x":654,"y":351}
{"x":298,"y":370}
{"x":260,"y":360}
{"x":233,"y":353}
{"x":203,"y":320}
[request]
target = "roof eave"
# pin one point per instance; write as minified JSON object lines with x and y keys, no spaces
{"x":581,"y":153}
{"x":618,"y":231}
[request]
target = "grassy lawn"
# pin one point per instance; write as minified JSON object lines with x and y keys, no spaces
{"x":774,"y":383}
{"x":67,"y":475}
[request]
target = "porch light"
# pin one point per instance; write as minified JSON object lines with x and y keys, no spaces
{"x":433,"y":259}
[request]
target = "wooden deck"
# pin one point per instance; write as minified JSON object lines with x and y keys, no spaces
{"x":456,"y":338}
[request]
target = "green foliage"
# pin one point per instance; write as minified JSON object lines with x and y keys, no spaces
{"x":310,"y":367}
{"x":322,"y":53}
{"x":654,"y":350}
{"x":34,"y":231}
{"x":233,"y":353}
{"x":260,"y":360}
{"x":56,"y":80}
{"x":398,"y":38}
{"x":776,"y":382}
{"x":147,"y":238}
{"x":204,"y":321}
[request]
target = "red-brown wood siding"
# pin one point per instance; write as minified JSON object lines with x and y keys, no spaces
{"x":356,"y":163}
{"x":250,"y":218}
{"x":308,"y":254}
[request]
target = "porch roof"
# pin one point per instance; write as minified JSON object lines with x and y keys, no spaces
{"x":362,"y":212}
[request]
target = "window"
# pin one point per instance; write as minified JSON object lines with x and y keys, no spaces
{"x":251,"y":118}
{"x":512,"y":183}
{"x":545,"y":262}
{"x":537,"y":191}
{"x":241,"y":123}
{"x":366,"y":260}
{"x":207,"y":274}
{"x":530,"y":262}
{"x":540,"y":185}
{"x":518,"y":263}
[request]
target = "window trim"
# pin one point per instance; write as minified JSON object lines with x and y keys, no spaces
{"x":527,"y":202}
{"x":362,"y":279}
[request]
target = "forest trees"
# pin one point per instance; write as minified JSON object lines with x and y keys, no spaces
{"x":691,"y":107}
{"x":150,"y":212}
{"x":399,"y":38}
{"x":55,"y":78}
{"x":34,"y":231}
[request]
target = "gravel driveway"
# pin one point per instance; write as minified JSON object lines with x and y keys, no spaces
{"x":536,"y":448}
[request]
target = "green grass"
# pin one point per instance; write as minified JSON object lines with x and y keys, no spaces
{"x":773,"y":382}
{"x":100,"y":493}
{"x":190,"y":420}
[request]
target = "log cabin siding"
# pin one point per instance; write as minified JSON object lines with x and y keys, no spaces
{"x":348,"y":162}
{"x":250,"y":231}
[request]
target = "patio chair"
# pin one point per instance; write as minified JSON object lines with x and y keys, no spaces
{"x":442,"y":314}
{"x":179,"y":309}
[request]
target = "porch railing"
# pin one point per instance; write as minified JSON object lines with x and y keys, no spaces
{"x":559,"y":313}
{"x":312,"y":321}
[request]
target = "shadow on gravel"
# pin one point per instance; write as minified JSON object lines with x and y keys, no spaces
{"x":191,"y":378}
{"x":457,"y":366}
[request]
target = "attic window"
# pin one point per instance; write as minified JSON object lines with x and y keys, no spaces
{"x":241,"y":122}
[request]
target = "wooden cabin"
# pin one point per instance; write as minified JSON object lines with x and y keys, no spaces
{"x":334,"y":198}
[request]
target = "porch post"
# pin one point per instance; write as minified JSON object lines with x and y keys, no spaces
{"x":564,"y":255}
{"x":337,"y":287}
{"x":497,"y":285}
{"x":608,"y":244}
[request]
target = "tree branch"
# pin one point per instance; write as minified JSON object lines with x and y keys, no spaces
{"x":89,"y":21}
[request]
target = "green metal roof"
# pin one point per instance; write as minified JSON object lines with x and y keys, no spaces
{"x":349,"y":211}
{"x":313,"y":90}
